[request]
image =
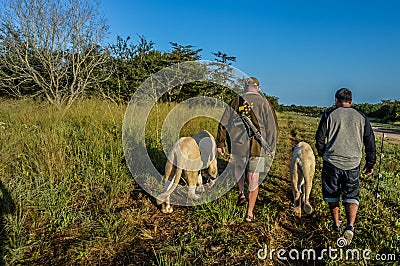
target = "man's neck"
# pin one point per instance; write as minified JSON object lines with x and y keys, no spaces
{"x":344,"y":104}
{"x":252,"y":91}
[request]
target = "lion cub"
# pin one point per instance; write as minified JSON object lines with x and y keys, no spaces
{"x":302,"y":169}
{"x":188,"y":156}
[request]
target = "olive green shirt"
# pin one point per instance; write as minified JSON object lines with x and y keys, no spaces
{"x":232,"y":130}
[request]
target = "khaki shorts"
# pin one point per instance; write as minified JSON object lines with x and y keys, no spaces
{"x":254,"y":165}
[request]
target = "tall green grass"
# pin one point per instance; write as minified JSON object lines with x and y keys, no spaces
{"x":66,"y":177}
{"x":65,"y":197}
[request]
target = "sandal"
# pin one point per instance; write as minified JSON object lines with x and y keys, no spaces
{"x":250,"y":219}
{"x":241,"y":199}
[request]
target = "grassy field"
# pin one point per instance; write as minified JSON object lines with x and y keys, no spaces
{"x":66,"y":198}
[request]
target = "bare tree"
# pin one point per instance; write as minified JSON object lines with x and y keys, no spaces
{"x":51,"y":45}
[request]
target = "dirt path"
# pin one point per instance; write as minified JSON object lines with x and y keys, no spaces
{"x":390,"y":134}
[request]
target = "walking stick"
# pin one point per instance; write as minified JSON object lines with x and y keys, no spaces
{"x":377,"y":195}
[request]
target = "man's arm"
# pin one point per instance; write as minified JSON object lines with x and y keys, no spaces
{"x":220,"y":140}
{"x":222,"y":132}
{"x":369,"y":143}
{"x":271,"y":125}
{"x":321,"y":134}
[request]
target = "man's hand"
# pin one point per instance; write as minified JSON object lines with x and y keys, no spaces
{"x":221,"y":150}
{"x":368,"y":171}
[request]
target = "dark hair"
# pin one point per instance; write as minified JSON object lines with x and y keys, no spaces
{"x":343,"y":95}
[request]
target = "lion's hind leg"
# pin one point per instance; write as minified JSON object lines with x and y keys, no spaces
{"x":166,"y":207}
{"x":192,"y":177}
{"x":295,"y":189}
{"x":308,"y":176}
{"x":200,"y":186}
{"x":169,"y":178}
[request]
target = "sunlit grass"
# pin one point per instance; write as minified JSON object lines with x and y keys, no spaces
{"x":65,"y":196}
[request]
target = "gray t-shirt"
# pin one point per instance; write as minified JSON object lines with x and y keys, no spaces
{"x":341,"y":136}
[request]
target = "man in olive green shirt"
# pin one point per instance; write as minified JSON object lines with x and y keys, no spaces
{"x":246,"y":151}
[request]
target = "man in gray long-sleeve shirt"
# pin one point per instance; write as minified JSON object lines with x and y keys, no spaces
{"x":341,"y":135}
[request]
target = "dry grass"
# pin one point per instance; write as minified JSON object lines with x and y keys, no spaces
{"x":65,"y":198}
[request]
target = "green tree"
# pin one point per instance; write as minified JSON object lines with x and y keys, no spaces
{"x":181,"y":73}
{"x":224,"y":78}
{"x":181,"y":53}
{"x":130,"y":65}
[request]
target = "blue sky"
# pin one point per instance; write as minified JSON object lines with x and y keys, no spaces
{"x":302,"y":51}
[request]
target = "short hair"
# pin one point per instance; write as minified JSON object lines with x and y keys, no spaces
{"x":252,"y":81}
{"x":344,"y":95}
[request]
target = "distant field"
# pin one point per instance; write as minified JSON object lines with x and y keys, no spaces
{"x":393,"y":126}
{"x":65,"y":198}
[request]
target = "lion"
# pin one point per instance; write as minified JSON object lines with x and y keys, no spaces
{"x":187,"y":157}
{"x":302,"y":169}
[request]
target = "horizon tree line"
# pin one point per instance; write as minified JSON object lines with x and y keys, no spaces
{"x":51,"y":50}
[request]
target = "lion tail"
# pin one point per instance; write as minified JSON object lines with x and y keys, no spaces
{"x":163,"y":196}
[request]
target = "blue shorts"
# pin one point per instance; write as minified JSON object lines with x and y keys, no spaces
{"x":337,"y":182}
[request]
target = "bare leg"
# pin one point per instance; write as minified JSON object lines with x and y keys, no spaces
{"x":351,"y":213}
{"x":253,"y":192}
{"x":239,"y":174}
{"x":334,"y":209}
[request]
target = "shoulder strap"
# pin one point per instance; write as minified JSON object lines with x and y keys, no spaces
{"x":244,"y":107}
